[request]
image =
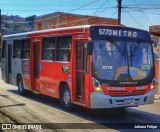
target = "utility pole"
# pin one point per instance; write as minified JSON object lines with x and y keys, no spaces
{"x":119,"y":11}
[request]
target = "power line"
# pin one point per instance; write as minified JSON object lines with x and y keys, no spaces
{"x":155,"y":5}
{"x":61,"y":14}
{"x":82,"y":19}
{"x":19,"y":4}
{"x":89,"y":17}
{"x":39,"y":5}
{"x":85,"y":5}
{"x":69,"y":11}
{"x":104,"y":10}
{"x":124,"y":7}
{"x":143,"y":12}
{"x":142,"y":8}
{"x":113,"y":13}
{"x":135,"y":20}
{"x":152,"y":13}
{"x":53,"y":10}
{"x":101,"y":7}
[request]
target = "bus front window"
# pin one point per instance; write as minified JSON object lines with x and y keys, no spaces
{"x":121,"y":61}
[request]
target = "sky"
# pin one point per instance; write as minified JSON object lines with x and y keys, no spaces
{"x":135,"y":13}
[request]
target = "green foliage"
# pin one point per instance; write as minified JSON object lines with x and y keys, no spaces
{"x":18,"y":27}
{"x":23,"y":29}
{"x":15,"y":25}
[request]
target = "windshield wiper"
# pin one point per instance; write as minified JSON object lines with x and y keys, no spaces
{"x":129,"y":77}
{"x":135,"y":48}
{"x":125,"y":53}
{"x":115,"y":44}
{"x":131,"y":55}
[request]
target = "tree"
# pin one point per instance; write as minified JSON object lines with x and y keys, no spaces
{"x":22,"y":28}
{"x":30,"y":18}
{"x":15,"y":26}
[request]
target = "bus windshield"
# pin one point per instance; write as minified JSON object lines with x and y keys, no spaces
{"x":122,"y":60}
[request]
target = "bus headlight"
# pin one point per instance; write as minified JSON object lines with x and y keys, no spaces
{"x":152,"y":86}
{"x":97,"y":85}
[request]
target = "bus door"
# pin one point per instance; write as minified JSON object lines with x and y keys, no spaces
{"x":35,"y":65}
{"x":4,"y":61}
{"x":9,"y":63}
{"x":81,"y":64}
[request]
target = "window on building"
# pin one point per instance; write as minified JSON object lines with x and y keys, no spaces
{"x":48,"y":48}
{"x":63,"y":50}
{"x":25,"y":49}
{"x":4,"y":49}
{"x":17,"y":48}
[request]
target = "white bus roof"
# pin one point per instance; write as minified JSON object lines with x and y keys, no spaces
{"x":44,"y":31}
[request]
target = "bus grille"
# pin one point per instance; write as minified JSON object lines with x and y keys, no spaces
{"x":127,"y":93}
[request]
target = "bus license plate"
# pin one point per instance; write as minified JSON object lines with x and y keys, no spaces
{"x":129,"y":101}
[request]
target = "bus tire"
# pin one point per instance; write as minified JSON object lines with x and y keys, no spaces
{"x":20,"y":85}
{"x":65,"y":98}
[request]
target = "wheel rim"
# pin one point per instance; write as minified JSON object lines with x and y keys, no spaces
{"x":66,"y":98}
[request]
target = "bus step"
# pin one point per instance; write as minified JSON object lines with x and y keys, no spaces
{"x":36,"y":92}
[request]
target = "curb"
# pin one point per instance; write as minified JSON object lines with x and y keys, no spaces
{"x":157,"y":97}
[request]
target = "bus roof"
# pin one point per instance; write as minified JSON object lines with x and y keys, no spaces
{"x":61,"y":29}
{"x":45,"y":31}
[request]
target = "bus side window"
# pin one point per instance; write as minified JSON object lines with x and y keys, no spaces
{"x":48,"y":48}
{"x":63,"y":50}
{"x":17,"y":49}
{"x":4,"y":49}
{"x":25,"y":49}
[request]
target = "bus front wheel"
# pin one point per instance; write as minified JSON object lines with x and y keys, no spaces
{"x":21,"y":89}
{"x":66,"y":98}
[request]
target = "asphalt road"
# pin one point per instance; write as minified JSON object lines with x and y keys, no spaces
{"x":33,"y":108}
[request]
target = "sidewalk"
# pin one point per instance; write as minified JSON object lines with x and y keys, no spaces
{"x":4,"y":85}
{"x":157,"y":97}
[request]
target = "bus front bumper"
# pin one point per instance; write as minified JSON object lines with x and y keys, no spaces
{"x":100,"y":100}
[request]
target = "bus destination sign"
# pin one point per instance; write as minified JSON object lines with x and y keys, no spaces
{"x":118,"y":32}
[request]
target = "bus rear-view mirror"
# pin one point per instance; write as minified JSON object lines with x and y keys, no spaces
{"x":90,"y":48}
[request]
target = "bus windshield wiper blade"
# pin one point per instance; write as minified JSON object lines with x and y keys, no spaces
{"x":129,"y":78}
{"x":131,"y":55}
{"x":114,"y":43}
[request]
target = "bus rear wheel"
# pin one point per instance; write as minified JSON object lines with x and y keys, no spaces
{"x":66,"y":98}
{"x":21,"y":89}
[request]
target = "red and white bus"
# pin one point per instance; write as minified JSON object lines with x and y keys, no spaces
{"x":95,"y":66}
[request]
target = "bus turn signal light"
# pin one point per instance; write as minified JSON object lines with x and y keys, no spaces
{"x":152,"y":86}
{"x":98,"y":89}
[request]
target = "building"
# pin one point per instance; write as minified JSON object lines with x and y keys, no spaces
{"x":155,"y":32}
{"x":60,"y":19}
